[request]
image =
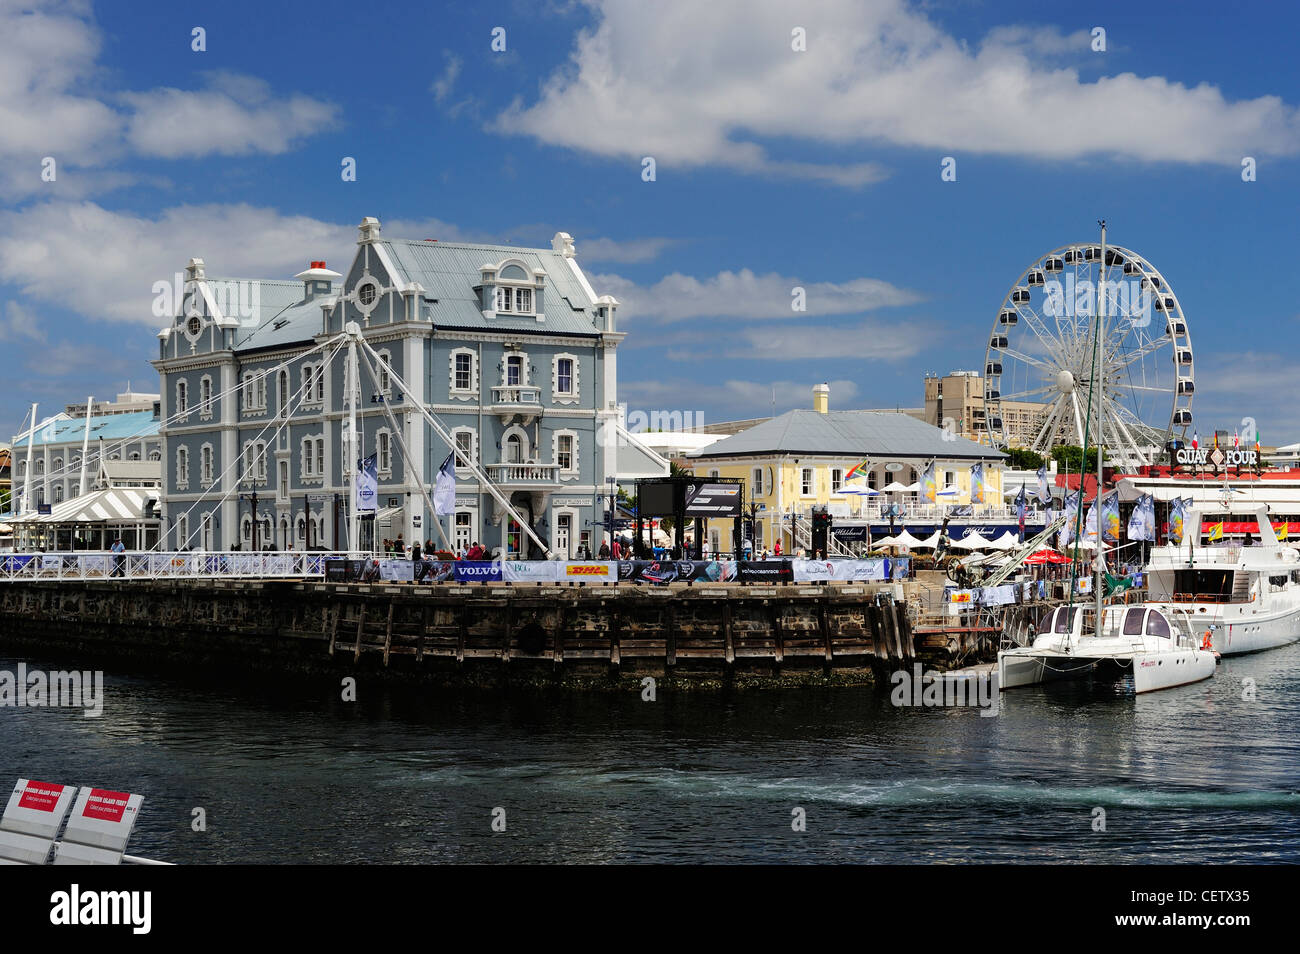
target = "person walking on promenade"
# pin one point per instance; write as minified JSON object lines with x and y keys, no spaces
{"x":119,"y":561}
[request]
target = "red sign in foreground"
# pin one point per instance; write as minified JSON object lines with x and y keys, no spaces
{"x":110,"y":806}
{"x":42,"y":796}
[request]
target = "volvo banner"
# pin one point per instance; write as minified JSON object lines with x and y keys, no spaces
{"x":477,"y":571}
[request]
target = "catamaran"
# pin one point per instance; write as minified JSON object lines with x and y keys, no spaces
{"x":1238,"y":599}
{"x":1157,"y":646}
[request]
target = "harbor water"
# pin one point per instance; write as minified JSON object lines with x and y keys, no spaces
{"x":286,"y":771}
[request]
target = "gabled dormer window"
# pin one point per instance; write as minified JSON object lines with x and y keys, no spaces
{"x":514,"y":289}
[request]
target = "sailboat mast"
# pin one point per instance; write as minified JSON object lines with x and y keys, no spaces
{"x":1099,"y":358}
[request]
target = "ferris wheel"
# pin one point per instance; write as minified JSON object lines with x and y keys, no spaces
{"x":1039,"y":367}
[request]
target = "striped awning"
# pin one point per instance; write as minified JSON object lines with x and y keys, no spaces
{"x":120,"y":505}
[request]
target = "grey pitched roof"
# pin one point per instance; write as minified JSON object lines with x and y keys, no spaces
{"x":449,"y":273}
{"x":280,"y":303}
{"x":871,"y":434}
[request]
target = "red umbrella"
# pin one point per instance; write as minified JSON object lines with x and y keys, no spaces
{"x":1045,"y":555}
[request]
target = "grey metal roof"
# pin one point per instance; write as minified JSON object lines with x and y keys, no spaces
{"x":870,"y":434}
{"x":449,"y":272}
{"x":278,"y":300}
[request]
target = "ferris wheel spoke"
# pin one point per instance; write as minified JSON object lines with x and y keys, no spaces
{"x":1139,"y":387}
{"x":1024,"y":394}
{"x":1138,"y":353}
{"x":1039,"y":328}
{"x":1051,"y":425}
{"x":1029,"y":359}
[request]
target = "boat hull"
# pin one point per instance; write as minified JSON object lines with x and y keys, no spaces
{"x":1151,"y":670}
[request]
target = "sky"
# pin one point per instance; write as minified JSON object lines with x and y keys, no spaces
{"x":794,"y":146}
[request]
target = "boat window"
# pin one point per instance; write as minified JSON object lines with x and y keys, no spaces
{"x":1045,"y":623}
{"x":1278,"y":580}
{"x":1061,"y":617}
{"x":1133,"y":621}
{"x":1157,"y":625}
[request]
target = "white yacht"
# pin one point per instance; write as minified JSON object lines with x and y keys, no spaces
{"x":1158,"y":648}
{"x":1245,"y":597}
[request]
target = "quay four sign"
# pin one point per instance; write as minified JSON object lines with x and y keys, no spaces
{"x":1217,"y":457}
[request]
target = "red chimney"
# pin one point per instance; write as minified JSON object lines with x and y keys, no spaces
{"x":317,"y":264}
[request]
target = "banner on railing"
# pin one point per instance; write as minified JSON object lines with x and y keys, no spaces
{"x":871,"y":568}
{"x":765,"y":571}
{"x":477,"y":571}
{"x":530,"y":571}
{"x":601,"y":572}
{"x":677,"y":571}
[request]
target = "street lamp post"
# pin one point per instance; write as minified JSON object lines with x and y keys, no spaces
{"x":252,"y":498}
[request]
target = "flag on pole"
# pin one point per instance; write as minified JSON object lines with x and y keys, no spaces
{"x":1044,"y":495}
{"x":1142,"y":522}
{"x":444,"y":490}
{"x":1110,"y":517}
{"x":857,"y":469}
{"x":1071,"y":512}
{"x":1216,"y":532}
{"x":366,"y":489}
{"x":977,"y":483}
{"x":928,"y":488}
{"x":1283,"y":531}
{"x":1022,"y":503}
{"x":1090,"y":521}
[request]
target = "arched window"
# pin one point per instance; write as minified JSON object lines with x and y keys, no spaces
{"x":283,"y":396}
{"x":514,"y":450}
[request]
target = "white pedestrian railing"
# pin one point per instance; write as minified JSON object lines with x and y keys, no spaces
{"x":154,"y":565}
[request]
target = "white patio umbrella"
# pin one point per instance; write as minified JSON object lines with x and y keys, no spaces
{"x":972,"y":541}
{"x":884,"y":542}
{"x":905,"y":539}
{"x":930,"y":542}
{"x":1008,"y":541}
{"x":894,"y":487}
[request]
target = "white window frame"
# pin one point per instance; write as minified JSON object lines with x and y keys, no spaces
{"x":837,"y":480}
{"x":524,"y":365}
{"x":473,"y":446}
{"x":282,"y":392}
{"x":384,"y":452}
{"x":182,"y":409}
{"x":207,"y":465}
{"x":384,"y":380}
{"x":182,"y":467}
{"x":756,"y":483}
{"x":452,"y":388}
{"x":572,"y":396}
{"x":574,"y":466}
{"x":205,"y":398}
{"x":807,"y":482}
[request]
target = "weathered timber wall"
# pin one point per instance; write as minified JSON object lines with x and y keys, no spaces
{"x":476,"y":633}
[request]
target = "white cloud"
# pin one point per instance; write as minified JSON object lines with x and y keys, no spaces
{"x":622,"y":251}
{"x":735,"y":399}
{"x":103,"y":264}
{"x":55,"y":100}
{"x":746,"y":295}
{"x":694,"y":84}
{"x":443,"y":85}
{"x":874,"y":341}
{"x":236,"y":115}
{"x":19,"y":324}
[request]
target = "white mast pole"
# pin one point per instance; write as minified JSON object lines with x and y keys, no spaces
{"x":1099,"y":389}
{"x":27,"y":485}
{"x":350,"y":464}
{"x":85,"y":444}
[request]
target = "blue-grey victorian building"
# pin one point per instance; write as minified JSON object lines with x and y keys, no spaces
{"x":510,"y":348}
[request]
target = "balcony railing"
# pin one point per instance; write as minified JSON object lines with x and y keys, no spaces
{"x":527,"y":474}
{"x":517,"y":394}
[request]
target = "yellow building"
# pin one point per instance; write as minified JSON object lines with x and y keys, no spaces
{"x":800,"y":460}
